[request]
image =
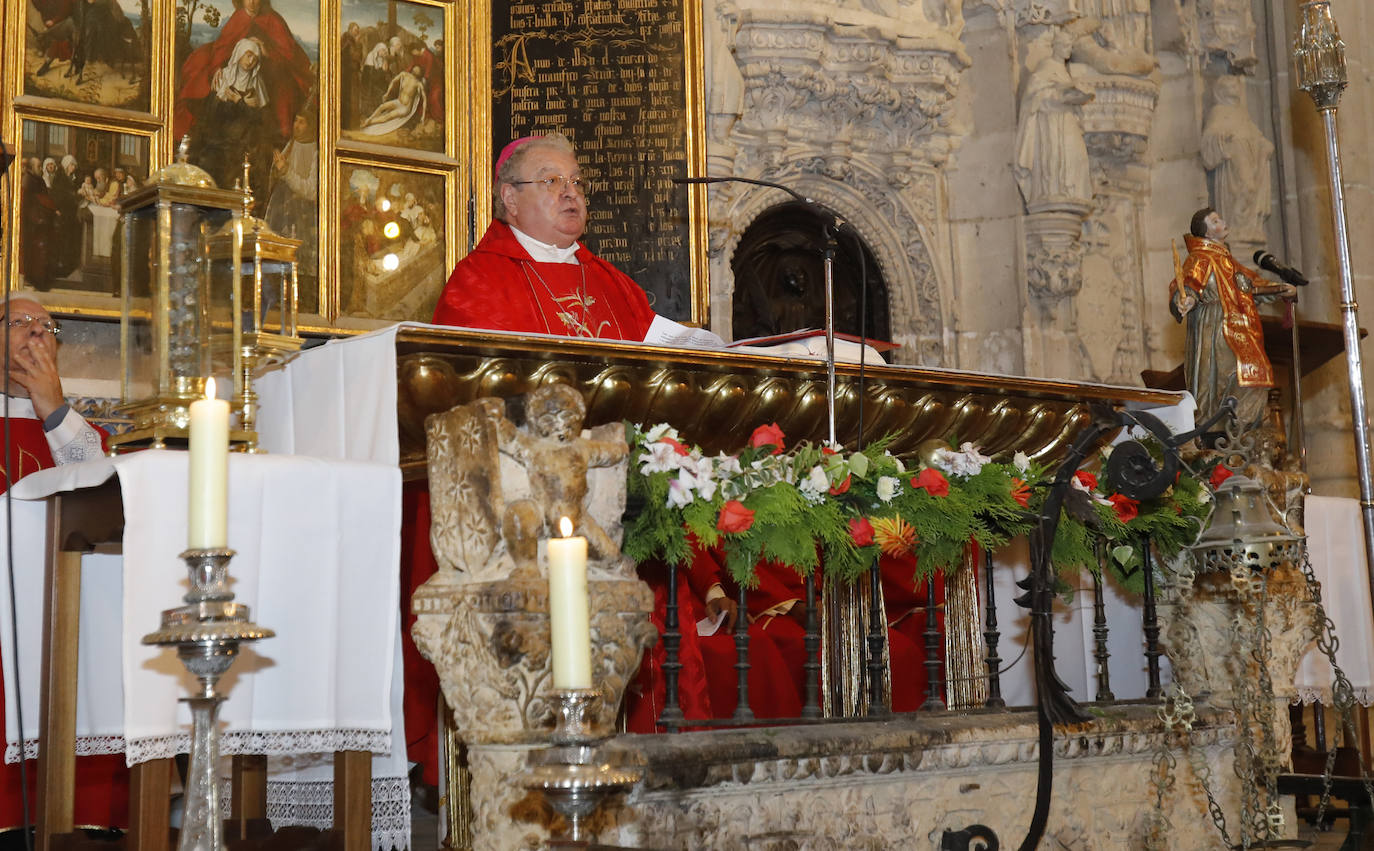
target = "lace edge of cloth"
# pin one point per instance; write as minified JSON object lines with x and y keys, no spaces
{"x":1308,"y":694}
{"x":231,"y":743}
{"x":311,"y":804}
{"x":85,"y":746}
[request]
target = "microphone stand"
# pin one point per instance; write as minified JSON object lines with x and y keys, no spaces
{"x":831,"y":230}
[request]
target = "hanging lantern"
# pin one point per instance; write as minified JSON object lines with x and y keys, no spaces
{"x":166,"y":303}
{"x":253,"y":268}
{"x":1243,"y":531}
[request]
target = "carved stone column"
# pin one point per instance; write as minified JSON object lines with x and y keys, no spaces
{"x":484,"y":617}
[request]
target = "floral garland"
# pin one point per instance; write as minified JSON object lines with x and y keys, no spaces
{"x":800,"y":506}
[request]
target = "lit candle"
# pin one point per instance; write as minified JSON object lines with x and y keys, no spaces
{"x":208,"y":520}
{"x":569,"y":619}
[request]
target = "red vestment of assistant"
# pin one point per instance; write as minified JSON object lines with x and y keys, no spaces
{"x":707,"y":680}
{"x":286,"y":71}
{"x":498,"y":286}
{"x":102,"y":782}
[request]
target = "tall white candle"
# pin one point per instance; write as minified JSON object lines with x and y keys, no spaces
{"x":569,"y":610}
{"x":208,"y":498}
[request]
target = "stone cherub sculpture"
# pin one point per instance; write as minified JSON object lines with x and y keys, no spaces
{"x":557,"y":459}
{"x":493,"y":482}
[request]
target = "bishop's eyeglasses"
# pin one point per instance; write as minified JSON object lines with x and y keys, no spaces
{"x":23,"y":322}
{"x":555,"y":184}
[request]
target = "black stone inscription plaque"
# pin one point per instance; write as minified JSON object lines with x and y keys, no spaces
{"x":610,"y":75}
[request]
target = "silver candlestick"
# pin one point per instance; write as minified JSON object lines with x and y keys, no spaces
{"x":1319,"y":55}
{"x":575,"y":774}
{"x":207,"y":632}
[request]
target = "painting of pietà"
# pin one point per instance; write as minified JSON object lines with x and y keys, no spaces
{"x":391,"y":73}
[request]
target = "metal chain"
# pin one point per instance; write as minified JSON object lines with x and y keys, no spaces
{"x":1342,"y":693}
{"x":1178,"y":716}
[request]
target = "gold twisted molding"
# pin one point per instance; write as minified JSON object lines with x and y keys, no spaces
{"x":717,"y":398}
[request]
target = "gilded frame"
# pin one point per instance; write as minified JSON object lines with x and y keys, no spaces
{"x":451,"y":21}
{"x":394,"y":182}
{"x":480,"y":76}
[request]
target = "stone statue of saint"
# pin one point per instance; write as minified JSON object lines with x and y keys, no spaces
{"x":724,"y":82}
{"x":1125,"y":23}
{"x":1216,"y":295}
{"x":1051,"y":165}
{"x":1237,"y":154}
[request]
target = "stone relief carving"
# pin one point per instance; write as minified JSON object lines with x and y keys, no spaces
{"x":1237,"y":156}
{"x":496,"y":491}
{"x":882,"y":799}
{"x":1125,"y":23}
{"x":1227,"y":28}
{"x":854,"y":95}
{"x":1052,"y":167}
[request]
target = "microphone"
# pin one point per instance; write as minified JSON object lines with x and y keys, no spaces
{"x":837,"y":221}
{"x":1270,"y":263}
{"x":709,"y":180}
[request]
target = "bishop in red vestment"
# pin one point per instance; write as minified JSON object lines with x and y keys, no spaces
{"x":45,"y":431}
{"x":529,"y":272}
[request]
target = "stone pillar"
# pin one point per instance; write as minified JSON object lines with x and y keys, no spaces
{"x":484,"y":617}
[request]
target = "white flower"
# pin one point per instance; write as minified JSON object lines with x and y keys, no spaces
{"x":659,"y":432}
{"x":680,"y":489}
{"x":1021,"y":461}
{"x":727,"y":465}
{"x":706,"y":486}
{"x":1077,"y":484}
{"x":660,"y":458}
{"x":901,"y":468}
{"x":815,"y":485}
{"x":968,"y":461}
{"x":1204,"y":496}
{"x":887,"y":487}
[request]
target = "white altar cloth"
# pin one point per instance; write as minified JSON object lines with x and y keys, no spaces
{"x":1335,"y":545}
{"x":318,"y":548}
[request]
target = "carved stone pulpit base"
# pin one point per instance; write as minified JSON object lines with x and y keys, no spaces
{"x":489,"y":642}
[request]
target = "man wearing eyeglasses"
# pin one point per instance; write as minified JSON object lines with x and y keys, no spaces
{"x":529,"y":273}
{"x":44,"y":429}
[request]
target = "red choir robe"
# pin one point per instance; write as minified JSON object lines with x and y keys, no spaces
{"x":708,"y":682}
{"x":905,"y":601}
{"x":498,"y":286}
{"x":102,"y":782}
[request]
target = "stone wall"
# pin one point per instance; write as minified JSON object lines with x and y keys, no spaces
{"x":1065,"y":283}
{"x":900,"y":784}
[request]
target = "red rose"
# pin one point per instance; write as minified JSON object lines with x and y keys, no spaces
{"x":933,"y":481}
{"x":734,"y":517}
{"x":843,"y":486}
{"x":1086,"y":479}
{"x":677,"y":446}
{"x":1126,"y":508}
{"x":826,"y":450}
{"x":1219,"y":475}
{"x":767,"y":435}
{"x":1020,"y":491}
{"x":861,"y":531}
